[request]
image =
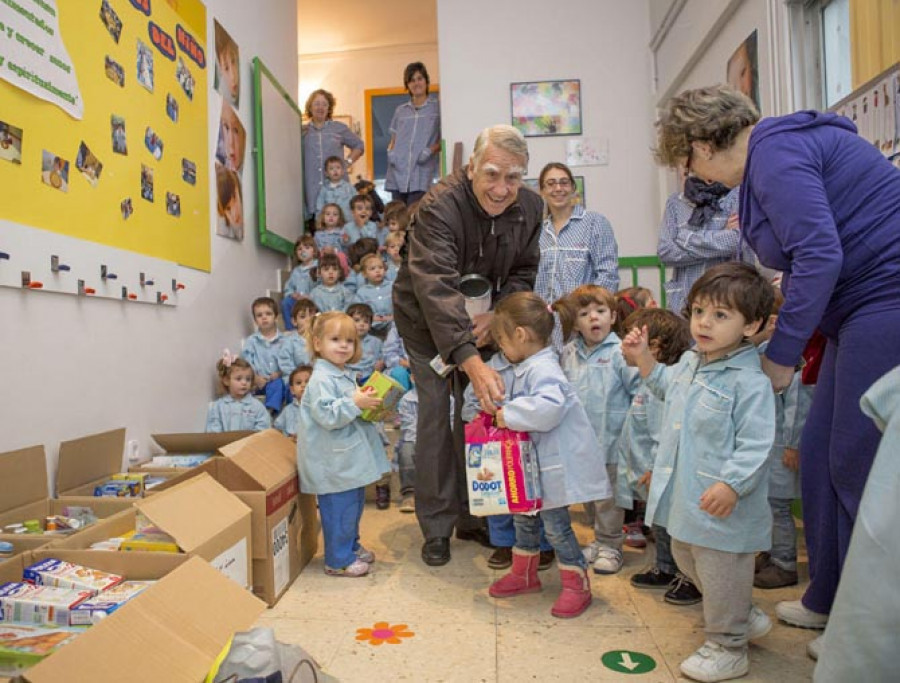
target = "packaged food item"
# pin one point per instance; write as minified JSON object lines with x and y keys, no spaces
{"x":17,"y":528}
{"x":388,"y":390}
{"x":102,"y":605}
{"x":32,"y":526}
{"x":30,"y":604}
{"x":50,"y":572}
{"x":24,"y":646}
{"x":149,"y":540}
{"x":83,"y":515}
{"x":177,"y":461}
{"x":119,"y":489}
{"x":152,"y":482}
{"x":6,"y":550}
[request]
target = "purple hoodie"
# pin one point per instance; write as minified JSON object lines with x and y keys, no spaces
{"x":823,"y":205}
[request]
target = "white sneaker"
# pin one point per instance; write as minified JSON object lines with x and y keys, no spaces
{"x":365,"y":555}
{"x":609,"y":561}
{"x":356,"y":568}
{"x":794,"y":613}
{"x":758,"y":623}
{"x":713,"y":662}
{"x":591,"y":551}
{"x":814,"y":648}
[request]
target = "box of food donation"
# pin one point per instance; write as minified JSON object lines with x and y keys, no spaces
{"x":24,"y":497}
{"x":180,"y":452}
{"x":171,"y":631}
{"x":261,"y":470}
{"x":388,"y":390}
{"x":202,"y":517}
{"x":89,"y":464}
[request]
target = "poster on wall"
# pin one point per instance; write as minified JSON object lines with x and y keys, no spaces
{"x":34,"y":58}
{"x":136,"y":72}
{"x":742,"y":70}
{"x":228,"y":70}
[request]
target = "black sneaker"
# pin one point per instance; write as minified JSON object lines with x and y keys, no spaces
{"x":382,"y":497}
{"x":546,"y":559}
{"x":501,"y":558}
{"x":653,"y":578}
{"x":683,"y":592}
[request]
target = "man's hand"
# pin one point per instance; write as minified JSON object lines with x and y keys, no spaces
{"x":719,"y":499}
{"x":486,"y":383}
{"x":791,"y":459}
{"x":482,"y":328}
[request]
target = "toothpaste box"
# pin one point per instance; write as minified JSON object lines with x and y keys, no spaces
{"x":21,"y":647}
{"x":101,"y":606}
{"x":41,"y":605}
{"x":61,"y":574}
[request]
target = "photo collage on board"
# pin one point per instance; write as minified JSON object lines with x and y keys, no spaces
{"x":232,"y":139}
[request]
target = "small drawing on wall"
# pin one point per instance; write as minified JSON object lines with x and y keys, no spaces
{"x":542,"y":108}
{"x":127,"y":208}
{"x":146,"y":183}
{"x":587,"y":152}
{"x":114,"y":71}
{"x":111,"y":20}
{"x":10,"y":143}
{"x":119,"y":140}
{"x":145,"y":65}
{"x":88,"y":164}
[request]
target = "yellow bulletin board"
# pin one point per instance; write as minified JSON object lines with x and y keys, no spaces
{"x":141,"y":62}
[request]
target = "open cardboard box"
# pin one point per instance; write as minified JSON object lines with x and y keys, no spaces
{"x":86,"y":463}
{"x":203,"y":517}
{"x":261,"y":470}
{"x":23,"y":493}
{"x":173,"y":631}
{"x":188,"y":443}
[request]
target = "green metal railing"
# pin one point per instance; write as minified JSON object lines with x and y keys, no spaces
{"x":633,"y":263}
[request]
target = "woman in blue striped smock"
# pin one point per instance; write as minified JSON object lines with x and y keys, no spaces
{"x":578,"y":247}
{"x":415,"y":139}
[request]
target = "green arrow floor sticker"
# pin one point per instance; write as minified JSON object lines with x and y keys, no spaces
{"x":628,"y":662}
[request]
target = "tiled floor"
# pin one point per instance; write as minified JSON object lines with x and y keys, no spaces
{"x":461,"y":634}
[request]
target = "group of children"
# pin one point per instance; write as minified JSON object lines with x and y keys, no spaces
{"x":641,"y":405}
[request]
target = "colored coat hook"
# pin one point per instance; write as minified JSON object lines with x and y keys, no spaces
{"x":34,"y":284}
{"x":56,"y":266}
{"x":90,"y":290}
{"x":133,"y":297}
{"x":179,"y":286}
{"x":161,"y":298}
{"x":106,"y":275}
{"x":4,"y":255}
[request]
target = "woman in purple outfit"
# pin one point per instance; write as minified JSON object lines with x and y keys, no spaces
{"x":822,"y":205}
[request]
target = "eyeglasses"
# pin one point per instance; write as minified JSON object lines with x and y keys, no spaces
{"x":553,"y":182}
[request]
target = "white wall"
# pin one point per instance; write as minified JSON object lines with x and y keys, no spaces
{"x":75,"y":367}
{"x":485,"y":46}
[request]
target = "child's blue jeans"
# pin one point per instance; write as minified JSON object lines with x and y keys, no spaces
{"x":664,"y":560}
{"x":784,"y":534}
{"x":340,"y":513}
{"x":502,"y":530}
{"x":559,"y":531}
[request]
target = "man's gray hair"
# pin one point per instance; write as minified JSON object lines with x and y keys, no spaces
{"x":504,"y":137}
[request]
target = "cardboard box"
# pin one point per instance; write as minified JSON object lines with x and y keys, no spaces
{"x":204,"y":519}
{"x":261,"y":470}
{"x":172,"y":631}
{"x":23,"y":492}
{"x":190,"y":443}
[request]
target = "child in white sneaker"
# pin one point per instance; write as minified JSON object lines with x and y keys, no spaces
{"x":594,"y":364}
{"x":338,"y":453}
{"x":718,"y":428}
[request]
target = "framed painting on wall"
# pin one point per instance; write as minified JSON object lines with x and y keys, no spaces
{"x":532,"y":183}
{"x":541,"y":108}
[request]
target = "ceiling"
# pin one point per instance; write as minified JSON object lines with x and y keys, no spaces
{"x":343,"y":25}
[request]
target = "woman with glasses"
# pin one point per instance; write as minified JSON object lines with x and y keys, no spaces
{"x":577,"y":246}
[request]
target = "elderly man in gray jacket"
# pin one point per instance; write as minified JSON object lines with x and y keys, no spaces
{"x":478,"y":220}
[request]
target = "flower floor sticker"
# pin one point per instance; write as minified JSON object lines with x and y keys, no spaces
{"x":383,"y":632}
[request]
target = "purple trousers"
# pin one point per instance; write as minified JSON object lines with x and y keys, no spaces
{"x":839,"y":443}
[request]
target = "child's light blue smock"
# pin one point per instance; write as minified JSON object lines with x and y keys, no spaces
{"x":293,"y":353}
{"x":379,"y":298}
{"x":718,"y":426}
{"x":390,"y":271}
{"x":334,"y":298}
{"x":287,"y":419}
{"x":791,"y":408}
{"x":331,"y":238}
{"x":228,"y":415}
{"x":544,"y":404}
{"x":300,"y":282}
{"x":637,"y":446}
{"x":336,"y":450}
{"x":605,"y":385}
{"x":371,"y":354}
{"x":339,"y":193}
{"x":262,"y":353}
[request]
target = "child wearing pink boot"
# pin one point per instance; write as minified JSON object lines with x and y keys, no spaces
{"x":544,"y":404}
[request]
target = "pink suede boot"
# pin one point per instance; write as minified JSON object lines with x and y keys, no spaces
{"x":576,"y":592}
{"x":522,"y":577}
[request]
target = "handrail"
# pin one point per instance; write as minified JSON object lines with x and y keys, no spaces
{"x":635,"y":262}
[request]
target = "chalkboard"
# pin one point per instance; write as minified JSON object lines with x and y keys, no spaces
{"x":380,"y":106}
